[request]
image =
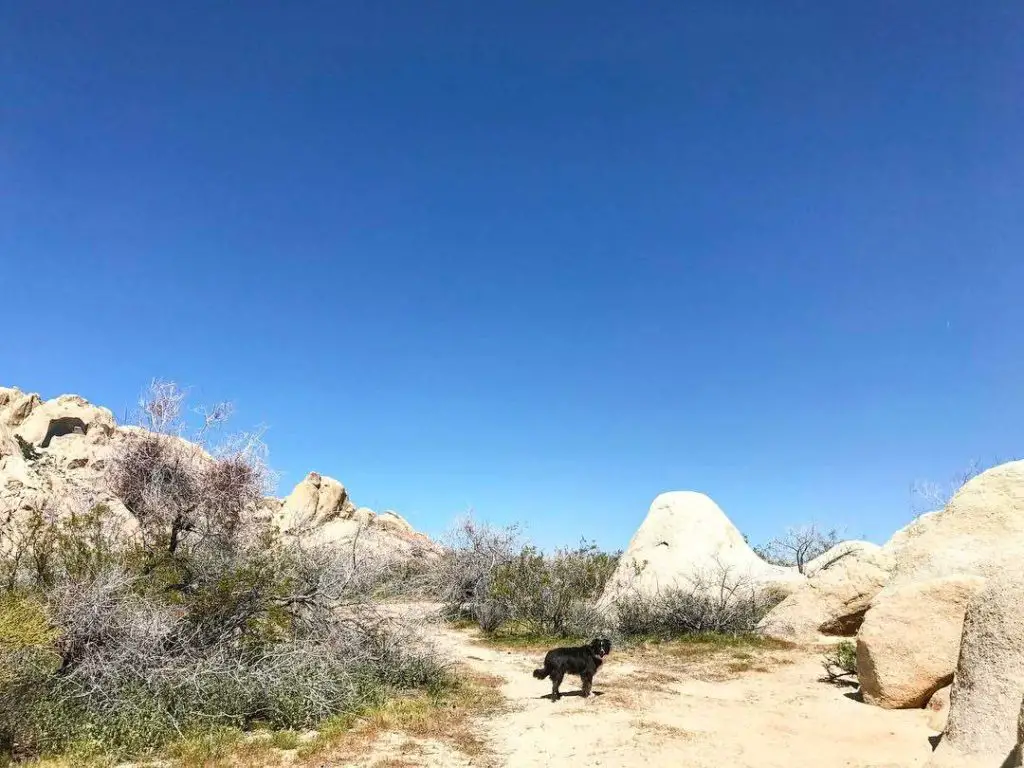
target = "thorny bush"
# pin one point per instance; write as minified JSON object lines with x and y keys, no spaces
{"x":191,"y":612}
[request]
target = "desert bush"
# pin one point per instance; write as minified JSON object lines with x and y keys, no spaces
{"x":205,"y":618}
{"x":463,"y":579}
{"x":494,"y":578}
{"x":840,"y":663}
{"x":798,"y":546}
{"x":553,"y":594}
{"x":716,"y":600}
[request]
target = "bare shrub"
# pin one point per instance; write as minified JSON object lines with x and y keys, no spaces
{"x":463,"y":578}
{"x":798,"y":546}
{"x":716,"y":600}
{"x":206,"y":618}
{"x":493,"y":577}
{"x":929,"y":496}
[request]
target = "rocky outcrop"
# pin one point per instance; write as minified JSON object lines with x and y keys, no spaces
{"x":320,"y":511}
{"x":985,"y":701}
{"x":54,"y":454}
{"x":40,"y":422}
{"x":316,"y":502}
{"x":908,"y":644}
{"x":983,"y":519}
{"x":684,"y":540}
{"x":840,"y":586}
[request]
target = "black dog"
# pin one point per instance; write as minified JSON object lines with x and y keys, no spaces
{"x":583,"y":661}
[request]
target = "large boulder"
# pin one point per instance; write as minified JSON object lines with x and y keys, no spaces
{"x":907,"y":646}
{"x":983,"y":519}
{"x":840,"y":586}
{"x":685,"y":540}
{"x":985,"y":701}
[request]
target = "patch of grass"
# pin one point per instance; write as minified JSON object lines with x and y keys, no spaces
{"x":285,"y":740}
{"x":713,"y":656}
{"x":206,"y":749}
{"x":443,"y":714}
{"x":513,"y":636}
{"x":711,"y":642}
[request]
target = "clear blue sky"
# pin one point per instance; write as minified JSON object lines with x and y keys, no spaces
{"x":544,"y":260}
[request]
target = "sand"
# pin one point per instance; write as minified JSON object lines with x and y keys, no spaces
{"x":739,"y":709}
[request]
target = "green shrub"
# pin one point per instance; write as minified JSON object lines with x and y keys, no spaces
{"x":490,"y":576}
{"x":27,"y":659}
{"x":840,"y":663}
{"x":552,"y":595}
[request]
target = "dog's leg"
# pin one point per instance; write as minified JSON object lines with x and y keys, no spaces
{"x":556,"y":680}
{"x":588,"y":683}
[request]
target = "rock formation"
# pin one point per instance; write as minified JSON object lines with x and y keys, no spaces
{"x":985,"y":702}
{"x":55,"y":454}
{"x":840,"y":586}
{"x":984,"y":517}
{"x":908,"y":645}
{"x":684,"y":540}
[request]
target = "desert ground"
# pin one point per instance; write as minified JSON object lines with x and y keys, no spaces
{"x":762,"y":708}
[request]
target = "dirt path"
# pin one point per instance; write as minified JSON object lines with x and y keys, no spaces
{"x":766,"y":710}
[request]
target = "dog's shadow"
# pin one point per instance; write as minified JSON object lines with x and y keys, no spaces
{"x":551,"y":696}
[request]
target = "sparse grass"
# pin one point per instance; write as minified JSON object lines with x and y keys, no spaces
{"x":711,"y":642}
{"x":207,"y":749}
{"x":513,"y":639}
{"x":713,"y":656}
{"x":444,"y":714}
{"x":663,"y":729}
{"x":285,"y":740}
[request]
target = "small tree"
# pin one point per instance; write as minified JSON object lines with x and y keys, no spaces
{"x":798,"y":546}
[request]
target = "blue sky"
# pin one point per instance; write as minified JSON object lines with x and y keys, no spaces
{"x":542,"y":260}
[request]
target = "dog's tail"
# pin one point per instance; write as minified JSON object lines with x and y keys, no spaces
{"x":541,"y":673}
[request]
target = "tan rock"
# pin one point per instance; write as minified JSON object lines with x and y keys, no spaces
{"x":62,"y":416}
{"x":909,"y":533}
{"x":70,"y":473}
{"x":983,"y":519}
{"x":908,"y":644}
{"x":938,"y":709}
{"x":840,"y":586}
{"x":985,"y":700}
{"x":393,"y":521}
{"x":314,"y":503}
{"x":15,"y":405}
{"x":684,"y":538}
{"x":1020,"y":737}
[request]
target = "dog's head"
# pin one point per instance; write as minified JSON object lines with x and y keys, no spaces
{"x":601,"y":646}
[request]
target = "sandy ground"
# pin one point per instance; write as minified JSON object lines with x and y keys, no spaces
{"x":766,"y":710}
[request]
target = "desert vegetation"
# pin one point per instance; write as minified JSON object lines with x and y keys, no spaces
{"x":185,"y":612}
{"x":492,"y":578}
